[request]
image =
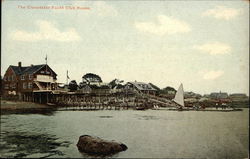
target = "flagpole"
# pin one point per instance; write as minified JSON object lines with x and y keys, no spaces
{"x":47,"y":100}
{"x":67,"y":77}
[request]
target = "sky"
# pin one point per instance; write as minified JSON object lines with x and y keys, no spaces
{"x":202,"y":44}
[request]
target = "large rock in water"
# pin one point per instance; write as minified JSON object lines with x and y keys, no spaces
{"x":97,"y":146}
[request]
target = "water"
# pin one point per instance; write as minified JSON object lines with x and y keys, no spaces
{"x":148,"y":134}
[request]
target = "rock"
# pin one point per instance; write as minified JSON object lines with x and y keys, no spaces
{"x":98,"y":146}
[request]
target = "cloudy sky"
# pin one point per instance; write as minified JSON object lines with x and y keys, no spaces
{"x":202,"y":44}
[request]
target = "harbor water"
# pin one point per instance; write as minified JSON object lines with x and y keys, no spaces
{"x":147,"y":134}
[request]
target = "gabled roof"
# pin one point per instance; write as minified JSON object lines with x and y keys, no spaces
{"x":18,"y":70}
{"x":28,"y":69}
{"x":219,"y":95}
{"x":32,"y":69}
{"x":142,"y":86}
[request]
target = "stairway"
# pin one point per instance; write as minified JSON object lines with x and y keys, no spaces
{"x":38,"y":85}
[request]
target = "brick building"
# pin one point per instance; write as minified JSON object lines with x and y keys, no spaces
{"x":26,"y":80}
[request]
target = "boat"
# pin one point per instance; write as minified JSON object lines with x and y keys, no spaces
{"x":179,"y":100}
{"x":51,"y":104}
{"x":140,"y":108}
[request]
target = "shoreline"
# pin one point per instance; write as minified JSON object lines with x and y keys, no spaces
{"x":19,"y":107}
{"x":10,"y":107}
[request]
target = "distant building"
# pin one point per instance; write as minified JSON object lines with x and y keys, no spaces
{"x":20,"y":79}
{"x":94,"y":89}
{"x":117,"y":88}
{"x":63,"y":88}
{"x":192,"y":95}
{"x":206,"y":95}
{"x":140,"y":87}
{"x":238,"y":97}
{"x":219,"y":95}
{"x":85,"y":89}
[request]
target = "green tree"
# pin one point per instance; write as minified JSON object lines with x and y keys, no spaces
{"x":73,"y":85}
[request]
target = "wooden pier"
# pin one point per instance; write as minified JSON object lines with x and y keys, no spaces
{"x":98,"y":102}
{"x":76,"y":101}
{"x":80,"y":101}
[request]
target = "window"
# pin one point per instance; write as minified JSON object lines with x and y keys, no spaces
{"x":6,"y":86}
{"x":24,"y":85}
{"x":42,"y":71}
{"x":30,"y":85}
{"x":13,"y":78}
{"x":30,"y":77}
{"x":23,"y":77}
{"x":9,"y":78}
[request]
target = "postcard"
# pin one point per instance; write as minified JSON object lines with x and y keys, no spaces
{"x":125,"y":79}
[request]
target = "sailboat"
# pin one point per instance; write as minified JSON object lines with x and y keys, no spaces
{"x":179,"y":97}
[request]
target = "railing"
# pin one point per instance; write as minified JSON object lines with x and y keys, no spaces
{"x":44,"y":78}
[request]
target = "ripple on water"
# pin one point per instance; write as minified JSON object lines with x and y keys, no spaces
{"x":24,"y":144}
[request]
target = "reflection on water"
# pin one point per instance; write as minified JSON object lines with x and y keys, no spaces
{"x":146,"y":117}
{"x":106,"y":116}
{"x":23,"y":144}
{"x":43,"y":111}
{"x":85,"y":155}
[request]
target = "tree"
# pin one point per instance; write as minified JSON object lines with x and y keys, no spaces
{"x":82,"y":84}
{"x":91,"y":77}
{"x":115,"y":82}
{"x":168,"y":89}
{"x":73,"y":85}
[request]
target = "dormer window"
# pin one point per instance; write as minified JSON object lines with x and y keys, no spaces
{"x":42,"y":71}
{"x":23,"y":77}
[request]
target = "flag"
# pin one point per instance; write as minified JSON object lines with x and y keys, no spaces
{"x":67,"y":75}
{"x":46,"y":58}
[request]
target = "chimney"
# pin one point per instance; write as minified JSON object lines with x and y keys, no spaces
{"x":31,"y":65}
{"x":19,"y":64}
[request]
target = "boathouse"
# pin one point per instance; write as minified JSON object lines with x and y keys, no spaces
{"x":29,"y":83}
{"x":140,"y":87}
